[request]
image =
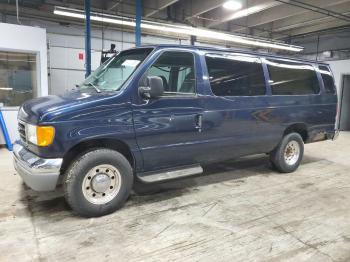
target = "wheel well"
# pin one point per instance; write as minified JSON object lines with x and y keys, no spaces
{"x":84,"y":146}
{"x":301,"y":129}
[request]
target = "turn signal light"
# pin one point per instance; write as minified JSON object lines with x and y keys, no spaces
{"x":45,"y":135}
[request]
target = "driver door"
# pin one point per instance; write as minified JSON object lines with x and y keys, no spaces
{"x":168,"y":128}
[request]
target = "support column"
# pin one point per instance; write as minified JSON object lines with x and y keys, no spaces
{"x":87,"y":5}
{"x":193,"y":39}
{"x":138,"y":5}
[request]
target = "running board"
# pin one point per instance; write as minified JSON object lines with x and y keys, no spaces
{"x":169,"y":174}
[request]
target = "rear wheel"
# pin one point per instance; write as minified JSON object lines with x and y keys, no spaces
{"x":286,"y":157}
{"x":98,"y":182}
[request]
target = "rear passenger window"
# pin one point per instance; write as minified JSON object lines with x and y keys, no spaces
{"x":327,"y":78}
{"x":234,"y":75}
{"x":288,"y":78}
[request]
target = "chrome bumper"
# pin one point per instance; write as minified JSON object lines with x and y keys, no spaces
{"x":40,"y":174}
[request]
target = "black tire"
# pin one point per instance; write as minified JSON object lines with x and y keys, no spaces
{"x":78,"y":170}
{"x":277,"y":156}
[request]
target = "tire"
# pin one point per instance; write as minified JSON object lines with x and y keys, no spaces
{"x":286,"y":157}
{"x":98,"y":182}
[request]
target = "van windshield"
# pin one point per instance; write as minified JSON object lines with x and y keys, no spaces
{"x":112,"y":74}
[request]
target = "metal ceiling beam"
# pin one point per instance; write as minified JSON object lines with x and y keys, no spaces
{"x":111,"y":4}
{"x":319,"y":27}
{"x":251,"y":7}
{"x":123,"y":7}
{"x":68,"y":3}
{"x":316,"y":9}
{"x":281,"y":12}
{"x":189,"y":9}
{"x":154,"y":6}
{"x":303,"y":20}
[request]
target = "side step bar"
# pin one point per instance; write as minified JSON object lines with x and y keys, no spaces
{"x":152,"y":177}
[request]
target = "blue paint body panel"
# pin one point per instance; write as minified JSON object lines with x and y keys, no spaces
{"x":162,"y":133}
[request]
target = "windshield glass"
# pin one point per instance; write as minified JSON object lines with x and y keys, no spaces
{"x":112,"y":74}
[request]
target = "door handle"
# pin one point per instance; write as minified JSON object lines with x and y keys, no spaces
{"x":198,"y":122}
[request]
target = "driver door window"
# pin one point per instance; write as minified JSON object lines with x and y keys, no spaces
{"x":176,"y":69}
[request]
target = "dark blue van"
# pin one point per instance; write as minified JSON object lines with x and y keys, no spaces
{"x":155,"y":113}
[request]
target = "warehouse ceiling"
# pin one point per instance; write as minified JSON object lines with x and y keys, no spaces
{"x":272,"y":19}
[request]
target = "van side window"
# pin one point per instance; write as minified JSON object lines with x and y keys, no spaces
{"x":327,"y":78}
{"x":289,"y":78}
{"x":176,"y":69}
{"x":234,"y":75}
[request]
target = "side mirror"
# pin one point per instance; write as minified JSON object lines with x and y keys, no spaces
{"x":151,"y":87}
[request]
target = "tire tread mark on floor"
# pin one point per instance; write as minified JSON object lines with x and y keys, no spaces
{"x":32,"y":220}
{"x":279,"y":226}
{"x":163,"y":230}
{"x":303,"y":242}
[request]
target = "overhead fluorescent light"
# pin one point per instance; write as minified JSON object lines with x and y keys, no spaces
{"x":246,"y":12}
{"x":232,"y":5}
{"x":176,"y":29}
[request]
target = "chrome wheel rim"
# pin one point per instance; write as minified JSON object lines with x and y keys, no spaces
{"x":291,"y":153}
{"x":101,"y":184}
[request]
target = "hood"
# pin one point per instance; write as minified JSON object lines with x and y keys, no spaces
{"x":54,"y":107}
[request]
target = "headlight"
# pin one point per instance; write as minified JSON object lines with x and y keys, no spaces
{"x":40,"y":135}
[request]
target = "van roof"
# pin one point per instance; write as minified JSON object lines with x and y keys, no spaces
{"x":223,"y":49}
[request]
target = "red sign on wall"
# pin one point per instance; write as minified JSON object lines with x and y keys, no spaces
{"x":81,"y":56}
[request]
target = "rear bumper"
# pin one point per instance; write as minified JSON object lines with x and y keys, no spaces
{"x":40,"y":174}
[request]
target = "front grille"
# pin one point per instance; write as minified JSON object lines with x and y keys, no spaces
{"x":22,"y":131}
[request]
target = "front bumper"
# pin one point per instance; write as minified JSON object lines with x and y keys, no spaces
{"x":40,"y":174}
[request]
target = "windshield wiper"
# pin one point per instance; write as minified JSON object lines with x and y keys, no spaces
{"x":96,"y":88}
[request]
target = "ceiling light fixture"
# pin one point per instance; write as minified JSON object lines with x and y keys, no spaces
{"x":177,"y":29}
{"x":232,"y":5}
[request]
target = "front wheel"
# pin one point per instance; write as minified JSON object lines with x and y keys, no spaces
{"x":286,"y":157}
{"x":98,"y":182}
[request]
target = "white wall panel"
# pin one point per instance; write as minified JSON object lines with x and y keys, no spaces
{"x":27,"y":39}
{"x":66,"y":58}
{"x":24,"y":39}
{"x":339,"y":68}
{"x":64,"y":80}
{"x":65,"y":40}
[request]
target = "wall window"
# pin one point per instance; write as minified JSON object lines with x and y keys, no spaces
{"x":177,"y":72}
{"x":289,"y":78}
{"x":327,"y":78}
{"x":18,"y":77}
{"x":231,"y":75}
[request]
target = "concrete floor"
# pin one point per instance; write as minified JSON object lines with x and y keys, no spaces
{"x":237,"y":211}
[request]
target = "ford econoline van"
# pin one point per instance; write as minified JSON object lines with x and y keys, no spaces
{"x":156,"y":113}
